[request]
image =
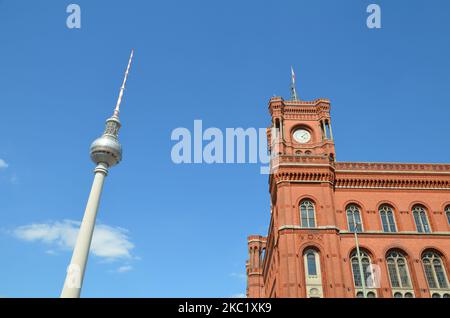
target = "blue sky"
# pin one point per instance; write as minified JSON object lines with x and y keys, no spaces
{"x":180,"y":230}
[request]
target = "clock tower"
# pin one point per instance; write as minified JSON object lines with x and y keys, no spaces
{"x":302,"y":176}
{"x":302,"y":128}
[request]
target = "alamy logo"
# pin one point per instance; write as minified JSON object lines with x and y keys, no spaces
{"x":374,"y":19}
{"x":74,"y":19}
{"x":373,"y":274}
{"x":73,"y":279}
{"x":213,"y":146}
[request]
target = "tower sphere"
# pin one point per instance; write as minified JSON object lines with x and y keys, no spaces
{"x":106,"y":149}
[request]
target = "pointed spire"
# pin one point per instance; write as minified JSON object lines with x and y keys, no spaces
{"x":122,"y":88}
{"x":293,"y":89}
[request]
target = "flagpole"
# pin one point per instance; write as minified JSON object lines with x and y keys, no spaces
{"x":361,"y":269}
{"x":293,"y":90}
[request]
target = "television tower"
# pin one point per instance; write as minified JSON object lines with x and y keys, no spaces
{"x":106,"y":152}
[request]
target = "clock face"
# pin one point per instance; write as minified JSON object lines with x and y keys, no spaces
{"x":302,"y":136}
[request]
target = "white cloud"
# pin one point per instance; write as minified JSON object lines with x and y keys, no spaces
{"x":125,"y":268}
{"x":50,"y":252}
{"x":109,"y":243}
{"x":240,"y":295}
{"x":14,"y":179}
{"x":239,"y":275}
{"x":3,"y":164}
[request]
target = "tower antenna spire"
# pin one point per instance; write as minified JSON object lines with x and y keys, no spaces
{"x":293,"y":89}
{"x":122,"y":88}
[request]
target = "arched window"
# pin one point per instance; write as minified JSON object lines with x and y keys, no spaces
{"x":313,"y":276}
{"x":421,"y":220}
{"x":447,"y":212}
{"x":387,"y":218}
{"x":366,"y":265}
{"x":263,"y":255}
{"x":307,"y":214}
{"x":398,"y":270}
{"x":354,"y":218}
{"x":371,"y":295}
{"x":311,"y":261}
{"x":434,"y":270}
{"x":365,"y":262}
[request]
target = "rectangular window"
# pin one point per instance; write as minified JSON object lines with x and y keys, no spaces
{"x":404,"y":275}
{"x":356,"y":274}
{"x":304,"y":217}
{"x":391,"y":222}
{"x":418,"y":223}
{"x":393,"y":275}
{"x":312,"y":222}
{"x":430,"y":276}
{"x":384,"y":222}
{"x":442,"y":281}
{"x":426,"y":228}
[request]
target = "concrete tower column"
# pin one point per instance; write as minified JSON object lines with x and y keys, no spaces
{"x":77,"y":267}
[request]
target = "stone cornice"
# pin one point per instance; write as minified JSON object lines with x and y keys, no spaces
{"x":400,"y":168}
{"x":357,"y":175}
{"x":304,"y":176}
{"x":392,"y":183}
{"x":407,"y":233}
{"x":334,"y":228}
{"x":306,"y":110}
{"x":254,"y":274}
{"x":256,"y":241}
{"x":297,"y":227}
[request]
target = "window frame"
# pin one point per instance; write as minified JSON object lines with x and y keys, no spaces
{"x":405,"y":290}
{"x":307,"y":255}
{"x":309,"y":205}
{"x":365,"y":256}
{"x":399,"y":256}
{"x":431,"y":257}
{"x":422,"y":213}
{"x":447,"y":213}
{"x":313,"y":283}
{"x":385,"y":209}
{"x":354,"y":209}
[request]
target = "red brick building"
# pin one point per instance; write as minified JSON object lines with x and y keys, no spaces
{"x":400,"y":211}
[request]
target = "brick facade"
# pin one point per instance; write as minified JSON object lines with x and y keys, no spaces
{"x":280,"y":265}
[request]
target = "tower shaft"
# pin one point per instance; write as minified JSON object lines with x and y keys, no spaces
{"x":77,"y":267}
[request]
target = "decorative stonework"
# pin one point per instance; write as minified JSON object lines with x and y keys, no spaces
{"x":306,"y":176}
{"x":299,"y":110}
{"x":374,"y":166}
{"x":390,"y":183}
